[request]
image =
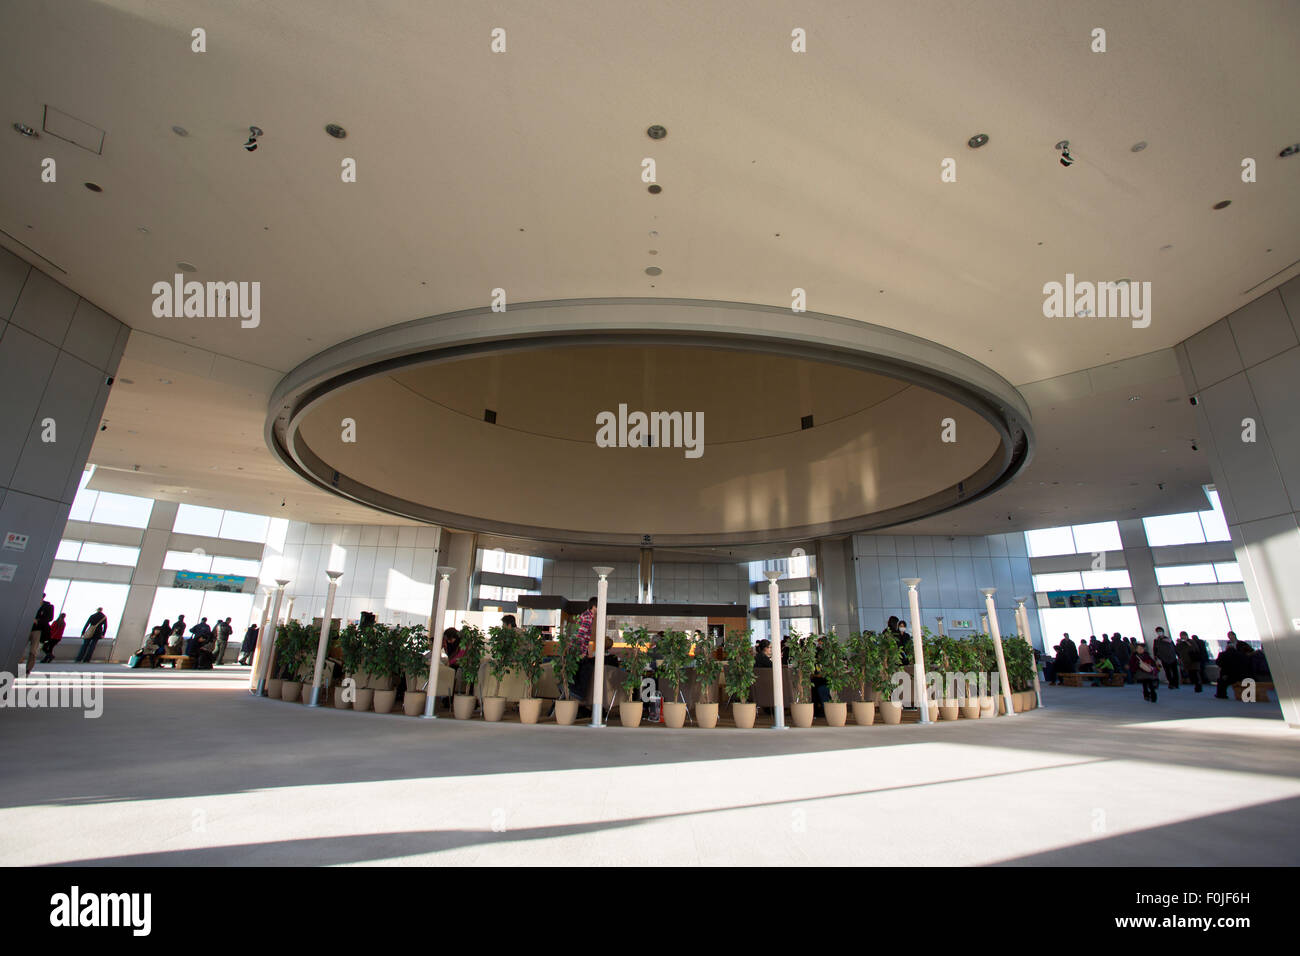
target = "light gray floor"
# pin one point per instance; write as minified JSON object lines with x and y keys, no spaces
{"x":187,"y":769}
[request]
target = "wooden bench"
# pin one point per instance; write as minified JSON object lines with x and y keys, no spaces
{"x":179,"y":661}
{"x":1099,"y":679}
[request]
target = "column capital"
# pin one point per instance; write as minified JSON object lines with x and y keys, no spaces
{"x":988,"y":592}
{"x":911,"y":583}
{"x":603,"y":572}
{"x":334,"y":575}
{"x":281,"y":582}
{"x":445,"y":572}
{"x":773,"y":575}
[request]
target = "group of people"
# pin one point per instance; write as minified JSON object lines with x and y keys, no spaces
{"x":206,"y":646}
{"x":1183,"y":659}
{"x":47,"y":631}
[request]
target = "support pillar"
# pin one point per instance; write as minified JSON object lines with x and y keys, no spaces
{"x":919,"y":692}
{"x":436,"y":617}
{"x":324,"y":644}
{"x":1022,"y":625}
{"x":992,"y":616}
{"x":598,"y":678}
{"x":774,"y":629}
{"x":266,"y":640}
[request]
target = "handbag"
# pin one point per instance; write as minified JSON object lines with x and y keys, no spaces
{"x":134,"y":661}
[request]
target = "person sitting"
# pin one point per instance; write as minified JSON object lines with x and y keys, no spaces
{"x":1232,"y":667}
{"x":763,"y":657}
{"x":1085,"y":656}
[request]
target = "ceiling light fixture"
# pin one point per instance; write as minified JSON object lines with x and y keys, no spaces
{"x":180,"y":131}
{"x":337,"y":131}
{"x":253,"y":133}
{"x":1223,"y":204}
{"x":165,"y":381}
{"x":978,"y":140}
{"x":656,"y":132}
{"x":1289,"y":151}
{"x":26,"y":130}
{"x":1134,"y":398}
{"x":187,"y":267}
{"x":1138,"y":147}
{"x":653,"y":271}
{"x":94,"y":187}
{"x":656,"y":189}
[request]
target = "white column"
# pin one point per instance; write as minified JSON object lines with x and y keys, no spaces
{"x":984,"y":624}
{"x":942,"y":632}
{"x":992,"y":617}
{"x":266,"y":640}
{"x":436,"y":617}
{"x":598,"y":678}
{"x":255,"y":664}
{"x":920,"y":695}
{"x":1022,"y":624}
{"x":288,"y":609}
{"x":774,"y":630}
{"x":324,"y":635}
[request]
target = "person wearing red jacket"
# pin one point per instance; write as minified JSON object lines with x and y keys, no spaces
{"x":57,"y":628}
{"x":1145,"y":671}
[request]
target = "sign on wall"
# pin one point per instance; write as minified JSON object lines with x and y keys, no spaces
{"x":1091,"y":597}
{"x":199,"y":581}
{"x":15,"y":541}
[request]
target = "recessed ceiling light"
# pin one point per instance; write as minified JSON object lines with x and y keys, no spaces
{"x":165,"y":381}
{"x":654,"y":233}
{"x":656,"y":132}
{"x":94,"y":187}
{"x":337,"y":131}
{"x":1289,"y":151}
{"x":1138,"y":147}
{"x":180,"y":131}
{"x":1135,"y":398}
{"x":26,"y":130}
{"x":1166,"y":247}
{"x":654,"y":252}
{"x":978,"y":140}
{"x":144,"y":230}
{"x":1223,"y":204}
{"x":653,"y":271}
{"x":1063,"y":144}
{"x":656,"y":189}
{"x":187,"y":267}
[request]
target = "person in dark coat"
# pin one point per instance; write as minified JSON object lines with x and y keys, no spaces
{"x":248,"y":646}
{"x":96,"y":626}
{"x":40,"y":632}
{"x":1145,"y":671}
{"x":1167,"y":655}
{"x":1232,"y":667}
{"x":56,"y":635}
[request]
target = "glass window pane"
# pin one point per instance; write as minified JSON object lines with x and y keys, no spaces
{"x":1228,"y":571}
{"x":1061,"y":581}
{"x":83,"y":506}
{"x":56,"y":592}
{"x":1048,"y":541}
{"x":93,"y":553}
{"x":1059,"y":621}
{"x":67,"y":550}
{"x":1185,"y":574}
{"x":1107,"y":579}
{"x":1111,"y":620}
{"x":247,"y":568}
{"x":219,"y":605}
{"x":1216,"y":528}
{"x":1208,"y":621}
{"x":125,"y":510}
{"x":1174,"y":529}
{"x":82,"y":600}
{"x":240,"y":526}
{"x":1104,"y":536}
{"x":187,"y":561}
{"x":168,"y":603}
{"x":1242,"y":619}
{"x":193,"y":519}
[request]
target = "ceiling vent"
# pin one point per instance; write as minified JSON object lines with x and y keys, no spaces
{"x":489,"y":416}
{"x":806,"y":422}
{"x":75,"y":131}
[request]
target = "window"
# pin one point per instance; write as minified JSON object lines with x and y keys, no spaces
{"x":1185,"y":574}
{"x":1228,"y":571}
{"x":1109,"y":620}
{"x":1091,"y":538}
{"x":125,"y":510}
{"x":1174,"y":529}
{"x":83,"y":506}
{"x":83,"y":597}
{"x":1061,"y":581}
{"x":193,"y":519}
{"x":187,"y":561}
{"x":1049,"y":541}
{"x":247,"y":568}
{"x":1208,"y":621}
{"x":1107,"y":579}
{"x":1216,"y":527}
{"x":1242,"y":619}
{"x":92,"y":553}
{"x":239,"y":526}
{"x":68,"y":550}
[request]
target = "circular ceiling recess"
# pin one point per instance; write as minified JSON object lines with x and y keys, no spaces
{"x":904,"y":428}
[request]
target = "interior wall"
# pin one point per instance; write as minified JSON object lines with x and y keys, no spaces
{"x":57,"y":352}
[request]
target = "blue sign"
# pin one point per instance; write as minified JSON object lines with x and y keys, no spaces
{"x":199,"y":581}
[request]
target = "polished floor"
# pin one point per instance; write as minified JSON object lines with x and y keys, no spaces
{"x":188,"y":769}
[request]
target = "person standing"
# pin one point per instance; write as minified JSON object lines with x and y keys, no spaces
{"x":581,"y":685}
{"x":56,"y":634}
{"x":95,"y":627}
{"x":1145,"y":671}
{"x":223,"y":631}
{"x":248,"y":646}
{"x":1200,"y":657}
{"x":178,"y":635}
{"x":40,"y":631}
{"x":1167,"y":655}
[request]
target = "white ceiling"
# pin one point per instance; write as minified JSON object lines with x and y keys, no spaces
{"x":522,"y":171}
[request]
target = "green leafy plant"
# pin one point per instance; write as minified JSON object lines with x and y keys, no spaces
{"x":968,"y":659}
{"x":352,"y":643}
{"x":638,"y":642}
{"x":674,"y":652}
{"x":833,"y":662}
{"x":1020,"y":663}
{"x":739,"y":677}
{"x":502,"y":642}
{"x":388,"y":654}
{"x":415,"y":660}
{"x":801,"y":653}
{"x":528,"y":658}
{"x":471,"y":662}
{"x":888,"y":661}
{"x":862,"y":653}
{"x":295,"y":649}
{"x":707,"y":668}
{"x":567,"y":659}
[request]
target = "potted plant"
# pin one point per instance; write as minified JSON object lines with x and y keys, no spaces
{"x":801,"y":653}
{"x":888,"y":660}
{"x":290,"y":651}
{"x":941,"y":656}
{"x":967,"y":660}
{"x":739,"y":676}
{"x":833,"y":662}
{"x":528,"y":661}
{"x":674,"y":653}
{"x":629,"y":708}
{"x":861,"y":653}
{"x":415,"y":665}
{"x":387,"y":663}
{"x":467,"y":671}
{"x":352,"y":648}
{"x":502,"y":643}
{"x":564,"y":664}
{"x":1020,"y":671}
{"x":988,"y":669}
{"x":707,"y":669}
